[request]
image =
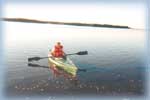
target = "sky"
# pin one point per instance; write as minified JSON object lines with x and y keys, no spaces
{"x":132,"y":15}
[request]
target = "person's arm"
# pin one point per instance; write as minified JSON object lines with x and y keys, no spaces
{"x":52,"y":52}
{"x":64,"y":54}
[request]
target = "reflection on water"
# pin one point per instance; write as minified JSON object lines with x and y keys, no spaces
{"x":114,"y":64}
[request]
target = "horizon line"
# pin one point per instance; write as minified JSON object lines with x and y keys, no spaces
{"x":26,"y":20}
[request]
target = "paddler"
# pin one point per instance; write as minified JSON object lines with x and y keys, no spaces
{"x":57,"y":51}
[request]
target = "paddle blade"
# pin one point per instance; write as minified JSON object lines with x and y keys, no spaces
{"x":82,"y":53}
{"x":34,"y":58}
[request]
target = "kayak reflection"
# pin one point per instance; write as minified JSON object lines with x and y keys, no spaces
{"x":55,"y":71}
{"x":61,"y":73}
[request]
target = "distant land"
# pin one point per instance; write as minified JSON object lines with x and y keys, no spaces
{"x":63,"y":23}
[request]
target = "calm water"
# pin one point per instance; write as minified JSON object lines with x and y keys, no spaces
{"x":115,"y":63}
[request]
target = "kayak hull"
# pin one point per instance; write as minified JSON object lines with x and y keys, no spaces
{"x":64,"y":64}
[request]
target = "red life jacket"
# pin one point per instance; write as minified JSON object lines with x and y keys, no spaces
{"x":58,"y":51}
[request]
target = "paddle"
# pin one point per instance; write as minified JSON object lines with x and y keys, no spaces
{"x":36,"y":65}
{"x":38,"y":58}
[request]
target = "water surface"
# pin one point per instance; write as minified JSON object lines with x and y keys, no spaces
{"x":115,"y":61}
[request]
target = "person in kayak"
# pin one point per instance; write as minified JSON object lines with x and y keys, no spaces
{"x":57,"y":51}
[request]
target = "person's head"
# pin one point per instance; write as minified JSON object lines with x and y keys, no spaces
{"x":58,"y":43}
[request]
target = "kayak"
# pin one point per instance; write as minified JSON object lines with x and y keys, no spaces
{"x":64,"y":64}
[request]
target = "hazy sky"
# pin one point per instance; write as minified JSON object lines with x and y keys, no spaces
{"x":132,"y":15}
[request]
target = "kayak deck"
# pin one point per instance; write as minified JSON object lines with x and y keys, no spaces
{"x":64,"y":64}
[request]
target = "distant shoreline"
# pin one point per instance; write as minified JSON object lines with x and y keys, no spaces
{"x":64,"y":23}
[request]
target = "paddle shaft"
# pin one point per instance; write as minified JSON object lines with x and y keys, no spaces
{"x":78,"y":53}
{"x":70,"y":54}
{"x":44,"y":57}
